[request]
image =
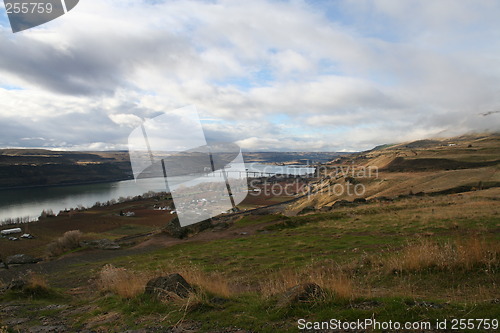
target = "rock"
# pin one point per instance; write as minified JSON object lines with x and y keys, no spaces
{"x":366,"y":305}
{"x":342,"y":203}
{"x":47,"y":329}
{"x":218,"y":300}
{"x":173,"y":283}
{"x":21,"y":259}
{"x":102,"y":244}
{"x":15,"y":321}
{"x":382,"y":199}
{"x":425,"y":304}
{"x":221,"y":226}
{"x":261,"y":211}
{"x":306,"y":210}
{"x":302,"y":293}
{"x":174,"y":229}
{"x":18,"y":284}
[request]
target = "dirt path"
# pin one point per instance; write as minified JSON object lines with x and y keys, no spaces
{"x":57,"y":270}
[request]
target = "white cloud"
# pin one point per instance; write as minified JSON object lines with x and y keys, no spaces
{"x":129,"y":120}
{"x":374,"y":71}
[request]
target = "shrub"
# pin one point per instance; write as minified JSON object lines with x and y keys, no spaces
{"x":36,"y":286}
{"x":121,"y":281}
{"x":47,"y":213}
{"x":465,"y":255}
{"x":70,"y":240}
{"x":36,"y":281}
{"x":327,"y":278}
{"x":212,"y":282}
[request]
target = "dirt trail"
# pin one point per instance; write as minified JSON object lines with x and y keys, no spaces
{"x":156,"y":242}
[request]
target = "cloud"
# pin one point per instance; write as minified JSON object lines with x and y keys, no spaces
{"x":279,"y":75}
{"x":129,"y":120}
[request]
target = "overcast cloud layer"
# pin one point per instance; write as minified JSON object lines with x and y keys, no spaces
{"x":270,"y":75}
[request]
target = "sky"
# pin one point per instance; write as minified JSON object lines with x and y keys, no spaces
{"x":268,"y":75}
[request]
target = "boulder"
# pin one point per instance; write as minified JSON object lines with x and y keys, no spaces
{"x":21,"y":259}
{"x":18,"y":284}
{"x":174,"y":229}
{"x":166,"y":285}
{"x":302,"y":293}
{"x":221,"y":226}
{"x":342,"y":203}
{"x":307,"y":209}
{"x":382,"y":199}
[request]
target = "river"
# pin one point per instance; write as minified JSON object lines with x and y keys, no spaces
{"x":28,"y":203}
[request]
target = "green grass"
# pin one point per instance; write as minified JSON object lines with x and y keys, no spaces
{"x":251,"y":312}
{"x":358,"y":242}
{"x":129,"y":229}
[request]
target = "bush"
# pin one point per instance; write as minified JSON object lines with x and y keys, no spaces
{"x":328,"y":278}
{"x":36,"y":284}
{"x":121,"y":281}
{"x":212,"y":282}
{"x":47,"y":213}
{"x":466,"y":255}
{"x":70,"y":240}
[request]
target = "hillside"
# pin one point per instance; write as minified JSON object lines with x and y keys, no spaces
{"x":38,"y":167}
{"x":420,"y":246}
{"x":423,"y":167}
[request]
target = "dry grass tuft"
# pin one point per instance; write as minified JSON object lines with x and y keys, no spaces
{"x":36,"y":285}
{"x":327,"y":278}
{"x":212,"y":282}
{"x":121,"y":281}
{"x":468,"y":254}
{"x":70,"y":240}
{"x":36,"y":281}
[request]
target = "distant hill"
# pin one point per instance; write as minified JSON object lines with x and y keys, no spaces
{"x":291,"y":157}
{"x":40,"y":167}
{"x":430,"y":167}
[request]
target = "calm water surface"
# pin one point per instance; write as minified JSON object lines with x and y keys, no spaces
{"x":29,"y":202}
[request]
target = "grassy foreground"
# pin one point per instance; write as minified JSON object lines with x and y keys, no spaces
{"x":417,"y":259}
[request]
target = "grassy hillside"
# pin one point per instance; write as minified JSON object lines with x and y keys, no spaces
{"x":428,"y":251}
{"x":424,"y":167}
